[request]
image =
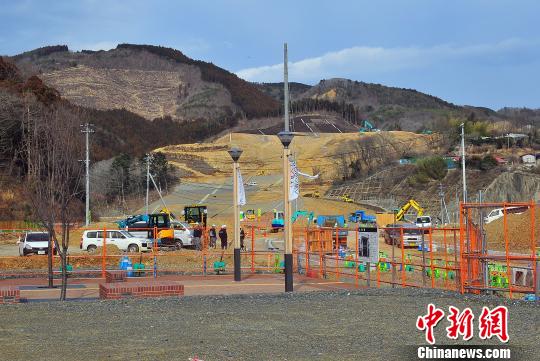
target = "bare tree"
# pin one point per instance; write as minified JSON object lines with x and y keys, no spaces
{"x":52,"y":145}
{"x":10,"y":128}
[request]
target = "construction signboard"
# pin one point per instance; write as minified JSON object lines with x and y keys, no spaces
{"x":368,"y":244}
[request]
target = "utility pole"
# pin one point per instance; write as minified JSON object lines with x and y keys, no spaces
{"x":441,"y":194}
{"x":148,"y":160}
{"x":87,"y":130}
{"x":444,"y":209}
{"x":463,"y":162}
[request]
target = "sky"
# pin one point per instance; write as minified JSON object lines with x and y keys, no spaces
{"x":468,"y":52}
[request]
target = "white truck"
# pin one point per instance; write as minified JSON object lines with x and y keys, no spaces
{"x":423,"y":222}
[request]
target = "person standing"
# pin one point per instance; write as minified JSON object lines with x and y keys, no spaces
{"x":223,"y":236}
{"x":197,"y":234}
{"x":212,"y":234}
{"x":242,"y":236}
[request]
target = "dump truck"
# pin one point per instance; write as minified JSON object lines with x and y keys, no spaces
{"x":361,"y":217}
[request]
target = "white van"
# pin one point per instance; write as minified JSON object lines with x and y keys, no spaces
{"x":125,"y":241}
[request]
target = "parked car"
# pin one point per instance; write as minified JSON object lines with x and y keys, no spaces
{"x":176,"y":234}
{"x":34,"y":243}
{"x":499,"y":213}
{"x":125,"y":241}
{"x":412,"y":235}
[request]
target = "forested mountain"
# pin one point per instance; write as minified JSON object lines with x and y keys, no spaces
{"x":151,"y":81}
{"x":117,"y":130}
{"x":144,"y":83}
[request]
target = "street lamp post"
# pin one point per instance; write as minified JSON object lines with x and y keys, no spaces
{"x":286,"y":138}
{"x":235,"y":154}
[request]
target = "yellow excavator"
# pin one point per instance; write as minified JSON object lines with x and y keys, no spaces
{"x":411,"y":203}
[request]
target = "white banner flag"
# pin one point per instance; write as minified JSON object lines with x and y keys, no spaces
{"x":294,"y":189}
{"x":241,"y":191}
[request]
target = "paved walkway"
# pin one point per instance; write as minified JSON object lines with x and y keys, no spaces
{"x":80,"y":289}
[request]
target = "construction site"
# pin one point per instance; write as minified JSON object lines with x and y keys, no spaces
{"x":154,"y":206}
{"x":256,"y":214}
{"x":350,"y":251}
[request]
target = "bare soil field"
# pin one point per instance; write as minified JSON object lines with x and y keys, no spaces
{"x":364,"y":324}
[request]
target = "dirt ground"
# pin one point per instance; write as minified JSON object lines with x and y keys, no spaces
{"x":519,"y":232}
{"x":365,"y":324}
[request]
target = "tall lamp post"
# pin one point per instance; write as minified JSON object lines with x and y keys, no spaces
{"x":286,"y":138}
{"x":235,"y":154}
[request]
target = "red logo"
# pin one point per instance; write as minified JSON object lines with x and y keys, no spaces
{"x":491,"y":323}
{"x":460,"y":324}
{"x":429,"y":321}
{"x":494,"y":323}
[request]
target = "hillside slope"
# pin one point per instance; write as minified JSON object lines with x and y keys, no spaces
{"x":328,"y":154}
{"x":150,"y":81}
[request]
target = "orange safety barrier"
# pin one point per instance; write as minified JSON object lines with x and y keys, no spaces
{"x":468,"y":258}
{"x":499,"y":254}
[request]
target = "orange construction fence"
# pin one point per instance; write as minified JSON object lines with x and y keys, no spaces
{"x":482,"y":254}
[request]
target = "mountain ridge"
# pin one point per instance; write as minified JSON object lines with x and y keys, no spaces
{"x":157,"y":82}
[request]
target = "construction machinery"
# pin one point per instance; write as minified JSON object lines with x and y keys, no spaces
{"x":367,"y":126}
{"x":405,"y":208}
{"x":278,"y":221}
{"x":162,"y":227}
{"x":250,"y":215}
{"x":361,"y":217}
{"x":345,"y":198}
{"x":308,"y":215}
{"x":315,"y":194}
{"x":195,"y":214}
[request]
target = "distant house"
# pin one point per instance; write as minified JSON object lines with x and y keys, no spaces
{"x":500,"y":160}
{"x":407,"y":160}
{"x":450,"y":162}
{"x":516,"y":136}
{"x":528,"y":159}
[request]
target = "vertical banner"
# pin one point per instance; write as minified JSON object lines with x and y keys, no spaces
{"x":294,"y":189}
{"x":241,"y":192}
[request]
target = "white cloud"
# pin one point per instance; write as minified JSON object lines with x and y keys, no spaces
{"x":100,"y":45}
{"x":361,"y":61}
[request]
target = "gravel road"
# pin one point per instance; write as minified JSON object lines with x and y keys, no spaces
{"x":373,"y":324}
